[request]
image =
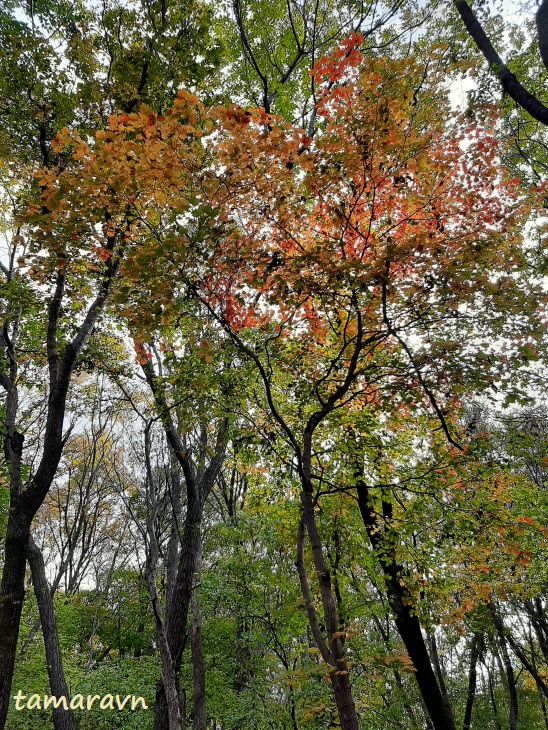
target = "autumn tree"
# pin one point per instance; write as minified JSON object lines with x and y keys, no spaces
{"x":365,"y":255}
{"x":363,"y":264}
{"x":53,"y":76}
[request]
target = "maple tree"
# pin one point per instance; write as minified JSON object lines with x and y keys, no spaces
{"x":375,"y":253}
{"x":353,"y":237}
{"x":66,"y":63}
{"x":399,"y":238}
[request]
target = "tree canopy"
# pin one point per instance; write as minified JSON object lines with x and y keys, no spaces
{"x":273,"y":365}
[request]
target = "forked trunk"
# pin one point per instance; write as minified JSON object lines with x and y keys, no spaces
{"x":62,"y":719}
{"x":340,"y":677}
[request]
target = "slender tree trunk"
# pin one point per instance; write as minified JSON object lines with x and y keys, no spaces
{"x":340,"y":677}
{"x":36,"y":625}
{"x":168,"y":671}
{"x":12,"y":586}
{"x":169,"y":675}
{"x":143,"y":610}
{"x":437,"y":666}
{"x":62,"y":719}
{"x":172,"y":552}
{"x":496,"y":716}
{"x":538,"y":620}
{"x":508,"y":670}
{"x":472,"y":680}
{"x":408,"y":624}
{"x":178,"y":608}
{"x":198,"y":670}
{"x":240,"y":656}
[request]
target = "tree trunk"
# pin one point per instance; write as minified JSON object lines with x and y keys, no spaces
{"x":542,"y":30}
{"x":508,"y":670}
{"x":172,"y":552}
{"x":509,"y":82}
{"x":435,"y":659}
{"x":178,"y":607}
{"x":240,"y":674}
{"x":408,"y":625}
{"x":472,"y":680}
{"x":62,"y":719}
{"x":339,"y":675}
{"x":538,"y":620}
{"x":12,"y":593}
{"x":198,"y":670}
{"x":491,"y":680}
{"x":169,"y":675}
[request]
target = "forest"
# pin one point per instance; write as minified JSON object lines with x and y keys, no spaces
{"x":273,"y":364}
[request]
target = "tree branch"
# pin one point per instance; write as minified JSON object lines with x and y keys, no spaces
{"x":509,"y":82}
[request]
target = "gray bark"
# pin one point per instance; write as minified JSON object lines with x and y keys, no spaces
{"x":62,"y":719}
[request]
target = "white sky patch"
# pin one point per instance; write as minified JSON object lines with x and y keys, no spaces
{"x":458,"y":92}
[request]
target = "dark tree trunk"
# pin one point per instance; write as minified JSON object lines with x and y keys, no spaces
{"x":170,"y":685}
{"x":172,"y":553}
{"x":12,"y":592}
{"x":198,"y":670}
{"x":435,"y":658}
{"x":538,"y":620}
{"x":240,"y":674}
{"x":491,"y":681}
{"x":496,"y":716}
{"x":542,"y":30}
{"x":408,"y":625}
{"x":475,"y":650}
{"x":508,"y":670}
{"x":508,"y":80}
{"x":177,"y":609}
{"x":62,"y":719}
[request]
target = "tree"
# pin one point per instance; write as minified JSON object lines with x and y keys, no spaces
{"x":346,"y":245}
{"x":318,"y":297}
{"x":509,"y":82}
{"x":200,"y":459}
{"x":393,"y":248}
{"x":40,"y":94}
{"x":26,"y":495}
